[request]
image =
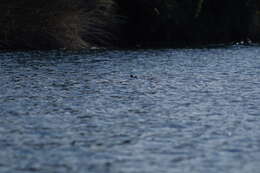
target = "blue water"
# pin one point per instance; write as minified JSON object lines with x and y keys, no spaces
{"x":143,"y":111}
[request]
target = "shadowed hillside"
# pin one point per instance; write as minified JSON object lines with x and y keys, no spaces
{"x":78,"y":24}
{"x":52,"y":24}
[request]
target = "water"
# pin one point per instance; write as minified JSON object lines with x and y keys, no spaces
{"x":145,"y":111}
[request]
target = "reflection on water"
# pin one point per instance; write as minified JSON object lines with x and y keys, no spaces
{"x":141,"y":111}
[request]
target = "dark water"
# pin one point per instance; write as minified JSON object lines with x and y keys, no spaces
{"x":150,"y":111}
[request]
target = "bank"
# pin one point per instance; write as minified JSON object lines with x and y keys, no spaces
{"x":81,"y":24}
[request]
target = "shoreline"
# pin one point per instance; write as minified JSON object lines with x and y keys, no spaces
{"x":82,"y":24}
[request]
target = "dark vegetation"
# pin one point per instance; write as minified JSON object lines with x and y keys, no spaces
{"x":256,"y":23}
{"x":77,"y":24}
{"x":189,"y":22}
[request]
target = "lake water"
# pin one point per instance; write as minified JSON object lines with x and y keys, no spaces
{"x":139,"y":111}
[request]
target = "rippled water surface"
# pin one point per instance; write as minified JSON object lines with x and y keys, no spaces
{"x":145,"y":111}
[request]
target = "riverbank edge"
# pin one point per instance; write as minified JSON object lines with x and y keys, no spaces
{"x":117,"y":24}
